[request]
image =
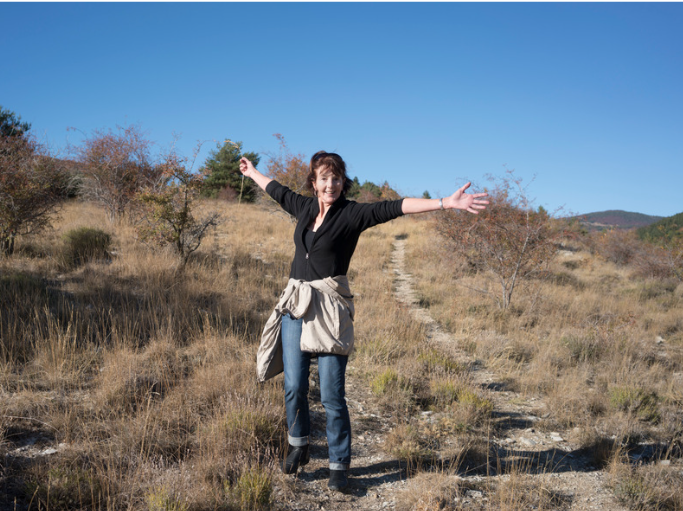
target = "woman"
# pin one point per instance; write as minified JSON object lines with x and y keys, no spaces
{"x":315,"y":313}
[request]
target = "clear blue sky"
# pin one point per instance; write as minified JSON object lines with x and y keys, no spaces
{"x":588,"y":98}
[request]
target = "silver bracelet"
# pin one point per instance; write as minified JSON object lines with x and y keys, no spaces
{"x":441,"y":203}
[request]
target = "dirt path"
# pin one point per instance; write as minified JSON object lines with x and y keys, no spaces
{"x":377,"y":478}
{"x":564,"y":468}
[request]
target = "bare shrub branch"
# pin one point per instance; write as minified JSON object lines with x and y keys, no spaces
{"x":166,"y":208}
{"x":509,"y":239}
{"x":116,"y":166}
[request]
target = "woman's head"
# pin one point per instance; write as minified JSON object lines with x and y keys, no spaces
{"x":327,"y":161}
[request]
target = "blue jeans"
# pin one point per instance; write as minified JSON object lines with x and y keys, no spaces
{"x":331,"y":369}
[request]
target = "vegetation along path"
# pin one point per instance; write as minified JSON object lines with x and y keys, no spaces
{"x":568,"y":472}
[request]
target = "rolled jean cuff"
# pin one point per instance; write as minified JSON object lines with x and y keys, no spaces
{"x":297,"y":442}
{"x":339,"y":466}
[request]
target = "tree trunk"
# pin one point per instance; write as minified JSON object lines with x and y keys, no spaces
{"x":7,"y":245}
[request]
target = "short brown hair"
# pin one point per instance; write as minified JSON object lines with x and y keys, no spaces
{"x":331,"y":161}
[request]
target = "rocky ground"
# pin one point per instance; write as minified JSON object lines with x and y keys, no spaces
{"x":378,"y":479}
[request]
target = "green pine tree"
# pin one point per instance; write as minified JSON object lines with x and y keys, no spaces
{"x":11,"y":125}
{"x":354,"y":191}
{"x":223,"y":168}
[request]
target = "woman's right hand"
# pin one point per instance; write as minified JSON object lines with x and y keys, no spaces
{"x":246,"y":167}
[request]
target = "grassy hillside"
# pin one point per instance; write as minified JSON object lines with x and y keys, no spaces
{"x":126,"y":383}
{"x":616,"y":218}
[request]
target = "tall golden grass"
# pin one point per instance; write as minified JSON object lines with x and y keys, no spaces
{"x":596,"y":342}
{"x":140,"y":372}
{"x":140,"y":375}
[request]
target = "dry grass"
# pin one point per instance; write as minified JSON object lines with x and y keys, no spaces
{"x":653,"y":486}
{"x":143,"y":375}
{"x":600,"y":345}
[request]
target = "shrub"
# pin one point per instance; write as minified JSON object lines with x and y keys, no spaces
{"x":407,"y":445}
{"x":566,"y":279}
{"x":32,"y":185}
{"x":251,"y":428}
{"x":116,"y":165}
{"x":617,"y":246}
{"x":521,"y":491}
{"x":385,"y":381}
{"x":67,"y":487}
{"x":636,"y":401}
{"x":582,"y":349}
{"x":252,"y":490}
{"x":435,"y":361}
{"x":396,"y":393}
{"x":85,"y":244}
{"x":444,"y":392}
{"x":648,"y":486}
{"x":160,"y":499}
{"x":571,"y":265}
{"x":510,"y":239}
{"x":478,"y":408}
{"x":167,"y":210}
{"x":656,"y":288}
{"x":289,"y":169}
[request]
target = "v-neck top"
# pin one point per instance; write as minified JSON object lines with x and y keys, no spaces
{"x":329,"y":252}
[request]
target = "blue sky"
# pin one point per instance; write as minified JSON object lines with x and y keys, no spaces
{"x":585,"y":99}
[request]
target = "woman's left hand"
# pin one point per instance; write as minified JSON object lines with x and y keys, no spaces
{"x":471,"y":202}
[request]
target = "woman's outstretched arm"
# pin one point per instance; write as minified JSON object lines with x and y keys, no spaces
{"x":472,"y":202}
{"x":247,"y":168}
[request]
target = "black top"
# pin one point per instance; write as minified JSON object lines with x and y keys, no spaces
{"x":308,"y":238}
{"x":336,"y":239}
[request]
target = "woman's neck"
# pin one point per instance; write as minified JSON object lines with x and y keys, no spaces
{"x":324,"y":208}
{"x":318,"y":220}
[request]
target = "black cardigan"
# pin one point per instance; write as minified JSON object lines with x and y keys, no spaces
{"x":336,"y":239}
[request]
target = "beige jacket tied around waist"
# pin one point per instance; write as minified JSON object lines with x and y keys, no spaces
{"x":326,"y":307}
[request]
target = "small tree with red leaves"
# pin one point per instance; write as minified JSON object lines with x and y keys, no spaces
{"x":509,"y":239}
{"x":32,"y":184}
{"x":116,"y":166}
{"x":289,"y":169}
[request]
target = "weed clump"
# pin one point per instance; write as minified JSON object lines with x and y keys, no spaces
{"x":252,"y":490}
{"x":444,"y":392}
{"x":647,"y":486}
{"x":582,"y":349}
{"x":386,"y":381}
{"x":523,"y":492}
{"x":84,"y":244}
{"x":66,"y":488}
{"x":479,"y":408}
{"x":406,"y":443}
{"x":436,"y":362}
{"x":636,"y":401}
{"x":250,"y":428}
{"x":160,"y":499}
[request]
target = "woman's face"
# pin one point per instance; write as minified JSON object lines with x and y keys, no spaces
{"x":328,"y":186}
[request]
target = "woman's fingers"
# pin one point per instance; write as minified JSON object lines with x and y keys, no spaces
{"x":244,"y":165}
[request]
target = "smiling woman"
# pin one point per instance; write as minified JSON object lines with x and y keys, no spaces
{"x":327,"y":178}
{"x":314,"y":317}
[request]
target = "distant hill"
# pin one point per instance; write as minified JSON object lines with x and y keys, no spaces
{"x":616,"y":219}
{"x":665,"y":229}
